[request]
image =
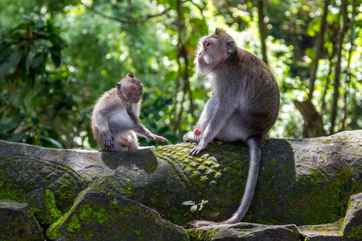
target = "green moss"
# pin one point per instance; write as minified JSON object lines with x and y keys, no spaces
{"x":73,"y":225}
{"x":53,"y":231}
{"x":9,"y":190}
{"x":355,"y":233}
{"x":128,"y":189}
{"x":327,"y":197}
{"x":90,"y":214}
{"x":200,"y":235}
{"x":50,"y":205}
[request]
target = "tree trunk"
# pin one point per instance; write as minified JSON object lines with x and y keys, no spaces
{"x":262,"y":30}
{"x":336,"y":84}
{"x":183,"y":78}
{"x":312,"y":120}
{"x":348,"y":69}
{"x":318,"y":49}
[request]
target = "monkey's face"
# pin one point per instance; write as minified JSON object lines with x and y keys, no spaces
{"x":210,"y":51}
{"x":130,"y":89}
{"x":214,"y":49}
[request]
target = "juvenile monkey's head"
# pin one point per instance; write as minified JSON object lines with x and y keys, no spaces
{"x":130,"y":89}
{"x":214,"y":49}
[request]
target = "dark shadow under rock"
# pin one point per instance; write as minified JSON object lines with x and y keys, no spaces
{"x":17,"y":222}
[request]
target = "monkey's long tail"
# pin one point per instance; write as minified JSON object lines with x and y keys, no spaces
{"x":254,"y":166}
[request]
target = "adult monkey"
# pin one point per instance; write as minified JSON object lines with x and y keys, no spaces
{"x":244,"y":105}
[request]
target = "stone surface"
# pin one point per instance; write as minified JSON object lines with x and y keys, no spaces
{"x":322,"y":232}
{"x":352,"y":229}
{"x":100,"y":213}
{"x":17,"y":222}
{"x":247,"y":232}
{"x":48,"y":187}
{"x":302,"y":181}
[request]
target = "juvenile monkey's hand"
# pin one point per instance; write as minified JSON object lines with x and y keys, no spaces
{"x":160,"y":139}
{"x":108,"y":143}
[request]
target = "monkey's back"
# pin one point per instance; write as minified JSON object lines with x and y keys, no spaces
{"x":260,"y":94}
{"x":104,"y":105}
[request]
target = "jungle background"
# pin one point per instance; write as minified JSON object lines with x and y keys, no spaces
{"x":58,"y":57}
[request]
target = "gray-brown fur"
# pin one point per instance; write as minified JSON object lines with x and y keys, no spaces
{"x":115,"y":118}
{"x":244,"y":104}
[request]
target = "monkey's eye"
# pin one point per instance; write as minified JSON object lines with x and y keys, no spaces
{"x":118,"y":85}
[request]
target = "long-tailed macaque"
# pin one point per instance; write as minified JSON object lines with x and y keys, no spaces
{"x":244,"y":105}
{"x":115,"y":118}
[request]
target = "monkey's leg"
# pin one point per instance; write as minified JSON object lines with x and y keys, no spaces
{"x":132,"y":141}
{"x":216,"y":123}
{"x":104,"y":136}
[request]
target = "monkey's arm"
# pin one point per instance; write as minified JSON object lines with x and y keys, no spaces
{"x":141,"y":129}
{"x":104,"y":135}
{"x":203,"y":120}
{"x":216,"y":122}
{"x":208,"y":110}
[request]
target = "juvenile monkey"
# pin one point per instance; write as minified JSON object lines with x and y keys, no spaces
{"x":115,"y":119}
{"x":244,"y":105}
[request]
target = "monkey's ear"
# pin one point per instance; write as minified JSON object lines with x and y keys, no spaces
{"x":218,"y":31}
{"x":130,"y":74}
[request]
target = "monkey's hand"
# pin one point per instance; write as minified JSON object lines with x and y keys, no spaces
{"x":198,"y":148}
{"x":108,"y":144}
{"x":160,"y":139}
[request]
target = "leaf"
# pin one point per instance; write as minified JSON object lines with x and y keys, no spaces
{"x":38,"y":61}
{"x":9,"y":65}
{"x":51,"y":142}
{"x":29,"y":59}
{"x":56,"y":56}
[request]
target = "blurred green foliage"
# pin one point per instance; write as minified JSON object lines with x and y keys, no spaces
{"x":58,"y":57}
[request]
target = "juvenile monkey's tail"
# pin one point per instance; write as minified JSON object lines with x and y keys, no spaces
{"x":254,"y":166}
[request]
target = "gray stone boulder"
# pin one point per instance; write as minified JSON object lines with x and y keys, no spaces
{"x":17,"y":222}
{"x":352,"y":225}
{"x":304,"y":182}
{"x":247,"y":232}
{"x":100,"y":213}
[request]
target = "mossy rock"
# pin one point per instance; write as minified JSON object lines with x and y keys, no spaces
{"x":49,"y":188}
{"x":17,"y":222}
{"x":101,"y":213}
{"x":323,"y":232}
{"x":352,"y":228}
{"x":302,"y":181}
{"x":246,"y":232}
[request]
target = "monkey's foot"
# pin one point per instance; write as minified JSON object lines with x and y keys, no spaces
{"x":108,"y":144}
{"x":189,"y":137}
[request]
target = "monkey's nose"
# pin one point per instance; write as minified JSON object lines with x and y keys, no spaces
{"x":206,"y":43}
